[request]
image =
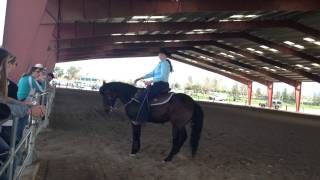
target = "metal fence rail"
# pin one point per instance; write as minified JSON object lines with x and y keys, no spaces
{"x":10,"y":169}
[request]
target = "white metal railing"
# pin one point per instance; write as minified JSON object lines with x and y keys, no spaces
{"x":10,"y":169}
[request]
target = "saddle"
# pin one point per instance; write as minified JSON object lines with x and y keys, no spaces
{"x":162,"y":98}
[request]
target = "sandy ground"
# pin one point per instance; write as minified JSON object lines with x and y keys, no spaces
{"x":83,"y":143}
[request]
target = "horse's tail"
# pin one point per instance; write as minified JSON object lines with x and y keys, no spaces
{"x":196,"y":127}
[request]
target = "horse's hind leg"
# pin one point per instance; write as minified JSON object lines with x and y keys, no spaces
{"x":136,"y":132}
{"x":178,"y":138}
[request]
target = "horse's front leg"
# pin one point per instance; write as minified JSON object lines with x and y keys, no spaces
{"x":136,"y":132}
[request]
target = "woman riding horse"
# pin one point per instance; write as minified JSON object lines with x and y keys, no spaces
{"x":158,"y":84}
{"x":180,"y":110}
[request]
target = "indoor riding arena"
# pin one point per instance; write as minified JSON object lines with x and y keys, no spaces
{"x":261,"y":41}
{"x":237,"y":143}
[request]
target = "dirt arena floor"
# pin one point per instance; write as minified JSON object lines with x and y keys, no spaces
{"x":83,"y":143}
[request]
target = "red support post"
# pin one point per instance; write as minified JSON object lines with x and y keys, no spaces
{"x":249,"y":92}
{"x":298,"y":95}
{"x":24,"y":34}
{"x":270,"y":94}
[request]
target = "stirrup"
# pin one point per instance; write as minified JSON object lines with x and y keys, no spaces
{"x":136,"y":123}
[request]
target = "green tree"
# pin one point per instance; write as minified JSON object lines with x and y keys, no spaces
{"x":58,"y":72}
{"x":277,"y":95}
{"x":285,"y":96}
{"x":316,"y":99}
{"x":73,"y":72}
{"x":258,"y":93}
{"x":292,"y":97}
{"x":243,"y":90}
{"x":235,"y":92}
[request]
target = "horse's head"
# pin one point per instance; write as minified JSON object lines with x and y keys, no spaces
{"x":109,"y":97}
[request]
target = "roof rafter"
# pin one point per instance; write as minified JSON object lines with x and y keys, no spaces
{"x":253,"y":68}
{"x":233,"y":77}
{"x":199,"y":43}
{"x":257,"y":79}
{"x":97,"y":9}
{"x":140,"y":38}
{"x":267,"y":60}
{"x":92,"y":29}
{"x":280,"y":47}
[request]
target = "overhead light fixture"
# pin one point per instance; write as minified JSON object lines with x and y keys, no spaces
{"x":190,"y":32}
{"x":315,"y":64}
{"x":181,"y":19}
{"x":251,"y":49}
{"x":309,"y":39}
{"x":237,"y":16}
{"x":132,"y":21}
{"x":317,"y":43}
{"x":150,"y":21}
{"x":116,"y":34}
{"x":273,"y":50}
{"x":140,"y":17}
{"x":251,"y":16}
{"x":306,"y":68}
{"x":198,"y":30}
{"x":259,"y":52}
{"x":264,"y":47}
{"x":130,"y":34}
{"x":289,"y":43}
{"x":294,"y":44}
{"x":299,"y":65}
{"x":299,"y":46}
{"x":157,"y":17}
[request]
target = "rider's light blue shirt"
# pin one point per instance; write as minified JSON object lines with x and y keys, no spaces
{"x":160,"y":73}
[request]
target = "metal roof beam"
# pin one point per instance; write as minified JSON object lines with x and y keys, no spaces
{"x":280,"y":47}
{"x":87,"y":10}
{"x":92,"y":29}
{"x":247,"y":66}
{"x":102,"y":54}
{"x":306,"y":74}
{"x":257,"y":79}
{"x":233,"y":77}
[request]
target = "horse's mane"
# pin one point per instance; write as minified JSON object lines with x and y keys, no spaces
{"x":119,"y":87}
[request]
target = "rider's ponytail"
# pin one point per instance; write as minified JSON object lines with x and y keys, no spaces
{"x":171,"y":69}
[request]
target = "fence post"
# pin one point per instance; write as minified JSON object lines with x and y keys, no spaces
{"x":12,"y":148}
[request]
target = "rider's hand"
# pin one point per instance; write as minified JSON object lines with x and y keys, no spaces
{"x":38,"y":111}
{"x":148,"y":83}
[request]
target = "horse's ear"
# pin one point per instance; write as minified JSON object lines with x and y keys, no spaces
{"x":104,"y":82}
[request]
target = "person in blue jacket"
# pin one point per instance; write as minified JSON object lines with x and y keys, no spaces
{"x":28,"y":84}
{"x":157,"y":83}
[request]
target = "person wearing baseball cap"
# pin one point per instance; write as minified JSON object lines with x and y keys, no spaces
{"x":28,"y":85}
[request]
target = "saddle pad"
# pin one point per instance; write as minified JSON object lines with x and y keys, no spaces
{"x":161,"y":99}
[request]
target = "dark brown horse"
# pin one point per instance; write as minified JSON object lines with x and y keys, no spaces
{"x":180,"y":110}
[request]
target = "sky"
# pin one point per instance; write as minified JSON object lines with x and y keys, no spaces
{"x":3,"y":4}
{"x":125,"y":69}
